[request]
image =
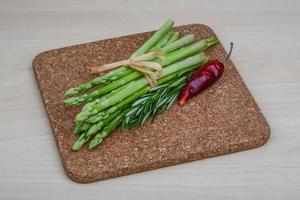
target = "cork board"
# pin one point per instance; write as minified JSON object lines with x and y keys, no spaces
{"x":223,"y":119}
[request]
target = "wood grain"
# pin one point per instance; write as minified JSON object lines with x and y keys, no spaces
{"x":267,"y":45}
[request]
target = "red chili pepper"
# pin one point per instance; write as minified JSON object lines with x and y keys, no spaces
{"x":202,"y":79}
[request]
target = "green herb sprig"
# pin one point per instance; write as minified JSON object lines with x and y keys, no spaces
{"x":155,"y":101}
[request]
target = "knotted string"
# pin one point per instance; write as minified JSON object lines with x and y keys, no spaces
{"x":139,"y":63}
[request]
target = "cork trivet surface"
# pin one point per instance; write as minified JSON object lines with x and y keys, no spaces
{"x":221,"y":120}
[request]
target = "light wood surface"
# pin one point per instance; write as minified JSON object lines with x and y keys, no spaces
{"x":267,"y":48}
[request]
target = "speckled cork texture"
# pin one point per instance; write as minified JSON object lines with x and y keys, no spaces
{"x":223,"y":119}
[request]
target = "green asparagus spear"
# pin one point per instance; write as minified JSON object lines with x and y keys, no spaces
{"x":96,"y":117}
{"x":81,"y":127}
{"x":99,"y":116}
{"x":169,"y":59}
{"x":186,"y":40}
{"x":80,"y":141}
{"x":155,"y":38}
{"x":84,"y":137}
{"x":102,"y":115}
{"x":104,"y":97}
{"x":98,"y":126}
{"x":163,"y":41}
{"x":87,"y":105}
{"x":107,"y":130}
{"x":122,"y":70}
{"x":174,"y":37}
{"x":77,"y":129}
{"x":85,"y":126}
{"x":103,"y":90}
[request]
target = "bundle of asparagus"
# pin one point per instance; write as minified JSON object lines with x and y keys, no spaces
{"x":124,"y":97}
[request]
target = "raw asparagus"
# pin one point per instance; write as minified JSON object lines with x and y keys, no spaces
{"x":169,"y":48}
{"x":102,"y":115}
{"x":161,"y":43}
{"x":174,"y":37}
{"x":107,"y":130}
{"x":80,"y":141}
{"x":136,"y":85}
{"x":99,"y":125}
{"x":169,"y":59}
{"x":115,"y":110}
{"x":166,"y":27}
{"x":123,"y":71}
{"x":88,"y":133}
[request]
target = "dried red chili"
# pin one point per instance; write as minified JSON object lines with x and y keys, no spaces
{"x":202,"y":79}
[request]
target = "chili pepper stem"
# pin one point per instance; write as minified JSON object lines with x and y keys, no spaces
{"x":229,"y":54}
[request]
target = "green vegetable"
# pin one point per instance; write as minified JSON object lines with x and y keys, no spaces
{"x":167,"y":93}
{"x":161,"y":43}
{"x":96,"y":117}
{"x":106,"y":116}
{"x":84,"y":137}
{"x":169,"y":48}
{"x":122,"y":70}
{"x":80,"y":142}
{"x":87,"y":106}
{"x":81,"y":127}
{"x":77,"y":129}
{"x":188,"y":39}
{"x":139,"y":93}
{"x":99,"y":125}
{"x":169,"y":59}
{"x":155,"y":38}
{"x":120,"y":105}
{"x":107,"y":130}
{"x":174,"y":37}
{"x":125,"y":97}
{"x":136,"y":85}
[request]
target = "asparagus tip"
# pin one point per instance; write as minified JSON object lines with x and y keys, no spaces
{"x":92,"y":130}
{"x":69,"y":101}
{"x":80,"y":117}
{"x":77,"y":145}
{"x":95,"y":142}
{"x":71,"y":92}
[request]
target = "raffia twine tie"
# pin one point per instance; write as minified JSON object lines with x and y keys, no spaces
{"x":139,"y":63}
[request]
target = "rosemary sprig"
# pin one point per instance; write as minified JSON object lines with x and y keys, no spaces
{"x":155,"y":101}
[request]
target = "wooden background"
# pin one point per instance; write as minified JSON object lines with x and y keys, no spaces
{"x":267,"y":48}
